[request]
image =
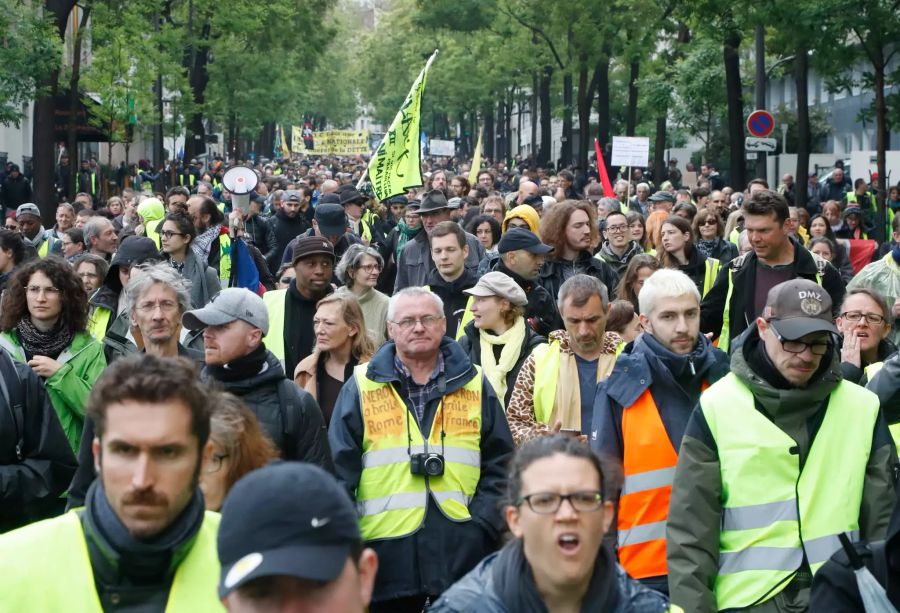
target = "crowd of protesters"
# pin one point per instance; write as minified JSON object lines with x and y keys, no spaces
{"x":511,"y":393}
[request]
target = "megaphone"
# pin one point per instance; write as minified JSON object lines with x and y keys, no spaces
{"x":240,"y":181}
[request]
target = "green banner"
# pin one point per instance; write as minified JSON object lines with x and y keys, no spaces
{"x":396,"y":165}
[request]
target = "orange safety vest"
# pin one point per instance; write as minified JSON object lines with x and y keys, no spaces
{"x":649,"y":461}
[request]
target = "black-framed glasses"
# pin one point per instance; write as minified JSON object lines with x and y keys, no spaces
{"x":817,"y":348}
{"x":170,"y":234}
{"x":548,"y":503}
{"x":855,"y":316}
{"x":616,"y":229}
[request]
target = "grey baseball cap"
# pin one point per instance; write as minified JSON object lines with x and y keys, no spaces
{"x":29,"y":208}
{"x":231,"y":304}
{"x":799,"y":307}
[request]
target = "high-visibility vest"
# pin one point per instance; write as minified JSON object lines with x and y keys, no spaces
{"x":391,"y":501}
{"x":56,"y":548}
{"x":98,"y":322}
{"x":873,"y":204}
{"x":775,"y":516}
{"x":274,"y":339}
{"x":648,"y":462}
{"x":871,"y":370}
{"x":724,"y":340}
{"x":711,"y":272}
{"x":44,"y":249}
{"x":224,"y":259}
{"x":546,"y":373}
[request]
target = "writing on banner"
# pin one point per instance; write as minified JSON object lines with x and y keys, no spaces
{"x":631,"y":151}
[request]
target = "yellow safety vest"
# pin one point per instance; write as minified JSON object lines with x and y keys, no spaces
{"x":391,"y":501}
{"x":546,"y":374}
{"x":46,"y":567}
{"x":224,"y":259}
{"x":775,"y":516}
{"x":98,"y":322}
{"x":274,"y":339}
{"x":44,"y":249}
{"x":712,"y":271}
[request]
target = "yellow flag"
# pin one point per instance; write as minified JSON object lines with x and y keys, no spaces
{"x":396,"y":165}
{"x":285,"y":150}
{"x":476,"y":160}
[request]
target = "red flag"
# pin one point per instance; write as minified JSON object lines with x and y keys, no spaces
{"x":604,"y":176}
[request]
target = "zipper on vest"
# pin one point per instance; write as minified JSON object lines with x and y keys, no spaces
{"x":691,"y":364}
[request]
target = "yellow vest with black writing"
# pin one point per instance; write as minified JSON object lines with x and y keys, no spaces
{"x":775,"y":516}
{"x":391,"y":501}
{"x":546,"y":375}
{"x":274,"y":340}
{"x":46,"y":567}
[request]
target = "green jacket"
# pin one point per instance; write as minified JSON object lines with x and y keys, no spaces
{"x":695,"y":510}
{"x":69,"y":387}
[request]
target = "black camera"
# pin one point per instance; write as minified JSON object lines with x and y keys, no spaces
{"x":426,"y":464}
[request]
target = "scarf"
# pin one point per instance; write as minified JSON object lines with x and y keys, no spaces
{"x":515,"y":586}
{"x":201,"y":245}
{"x":36,"y":342}
{"x":567,"y":406}
{"x":178,"y":266}
{"x":512,"y":341}
{"x":36,"y":241}
{"x":141,"y":562}
{"x":242,"y":368}
{"x":403,"y":235}
{"x":706,"y":247}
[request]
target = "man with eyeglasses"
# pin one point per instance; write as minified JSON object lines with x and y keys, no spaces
{"x":421,"y":443}
{"x":618,"y":248}
{"x":780,"y":457}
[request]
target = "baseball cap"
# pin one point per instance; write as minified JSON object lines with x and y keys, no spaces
{"x":520,"y":238}
{"x":293,"y":196}
{"x":306,"y":246}
{"x":28,"y":208}
{"x":287,"y":518}
{"x":331,"y":219}
{"x":798,"y":307}
{"x":498,"y":284}
{"x":231,"y":304}
{"x":454,"y":203}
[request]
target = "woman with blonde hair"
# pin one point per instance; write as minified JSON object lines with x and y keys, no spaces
{"x":342,"y":342}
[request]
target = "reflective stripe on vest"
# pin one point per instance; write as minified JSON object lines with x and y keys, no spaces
{"x":649,"y":465}
{"x":98,"y":322}
{"x":58,"y":547}
{"x":774,"y":515}
{"x":712,"y":271}
{"x":724,"y":340}
{"x":391,"y":501}
{"x":274,"y":339}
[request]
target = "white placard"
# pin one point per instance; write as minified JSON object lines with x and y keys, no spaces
{"x":631,"y":151}
{"x":441,"y":147}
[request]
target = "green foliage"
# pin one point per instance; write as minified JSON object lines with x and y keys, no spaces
{"x":30,"y":51}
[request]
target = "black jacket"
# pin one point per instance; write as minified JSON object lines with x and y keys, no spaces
{"x":31,"y":480}
{"x":440,"y":551}
{"x":262,"y":236}
{"x":556,"y":272}
{"x":541,"y":313}
{"x":342,"y":245}
{"x":15,"y":192}
{"x":451,"y":294}
{"x":288,"y":414}
{"x":741,"y":309}
{"x":285,"y":229}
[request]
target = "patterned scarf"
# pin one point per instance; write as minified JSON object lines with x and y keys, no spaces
{"x":706,"y":246}
{"x":36,"y":342}
{"x":200,"y":245}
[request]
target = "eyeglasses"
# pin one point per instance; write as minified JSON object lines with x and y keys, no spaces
{"x":36,"y":290}
{"x":817,"y":348}
{"x":409,"y":323}
{"x":854,"y":317}
{"x":170,"y":234}
{"x":616,"y":229}
{"x":215,"y":462}
{"x":285,"y":280}
{"x":548,"y":503}
{"x":166,"y":306}
{"x":370,"y":267}
{"x":710,"y":221}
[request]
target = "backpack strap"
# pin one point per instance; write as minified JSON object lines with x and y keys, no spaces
{"x":289,"y":411}
{"x":11,"y":388}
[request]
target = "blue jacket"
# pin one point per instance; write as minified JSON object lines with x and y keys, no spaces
{"x":428,"y":561}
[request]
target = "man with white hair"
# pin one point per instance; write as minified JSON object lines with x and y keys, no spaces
{"x":100,"y":237}
{"x":640,"y":202}
{"x":420,"y":441}
{"x":641,"y":412}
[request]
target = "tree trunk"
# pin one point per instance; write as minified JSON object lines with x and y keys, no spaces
{"x":804,"y":141}
{"x":533,"y":115}
{"x":631,"y":111}
{"x":44,"y":147}
{"x":74,"y":98}
{"x":760,"y":94}
{"x":584,"y":117}
{"x":565,"y":153}
{"x":659,"y":147}
{"x":734,"y":95}
{"x":487,"y":149}
{"x":881,"y":139}
{"x":603,"y":121}
{"x":267,"y":140}
{"x":198,"y":77}
{"x":545,"y":151}
{"x":508,"y":125}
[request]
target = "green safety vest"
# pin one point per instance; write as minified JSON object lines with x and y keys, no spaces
{"x":391,"y":501}
{"x":775,"y":516}
{"x":274,"y":339}
{"x":724,"y":341}
{"x":546,"y":373}
{"x":98,"y":322}
{"x":46,"y":567}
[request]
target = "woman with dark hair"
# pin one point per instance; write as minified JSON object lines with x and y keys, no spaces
{"x":853,"y":227}
{"x":43,"y":324}
{"x":239,"y":446}
{"x":177,"y":234}
{"x":637,"y":231}
{"x":558,"y":514}
{"x":487,"y":230}
{"x":623,"y":320}
{"x":819,"y":227}
{"x":12,"y":254}
{"x":709,"y":230}
{"x":638,"y":270}
{"x":678,"y":252}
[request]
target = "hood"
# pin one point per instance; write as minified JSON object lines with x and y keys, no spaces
{"x":457,"y":367}
{"x":525,"y":212}
{"x":609,"y":255}
{"x":151,"y":210}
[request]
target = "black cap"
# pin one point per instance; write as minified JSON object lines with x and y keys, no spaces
{"x":519,"y":238}
{"x":352,"y":196}
{"x":331,"y":219}
{"x":288,"y":518}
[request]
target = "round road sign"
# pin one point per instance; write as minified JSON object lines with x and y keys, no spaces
{"x":760,"y":123}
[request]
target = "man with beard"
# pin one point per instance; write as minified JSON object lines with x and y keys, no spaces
{"x":522,"y":256}
{"x":211,"y":245}
{"x":289,"y":221}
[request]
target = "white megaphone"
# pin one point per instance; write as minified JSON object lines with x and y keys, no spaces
{"x":240,"y":181}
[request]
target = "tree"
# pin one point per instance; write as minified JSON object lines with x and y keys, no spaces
{"x":699,"y":96}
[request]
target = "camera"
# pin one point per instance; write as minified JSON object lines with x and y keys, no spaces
{"x":426,"y":464}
